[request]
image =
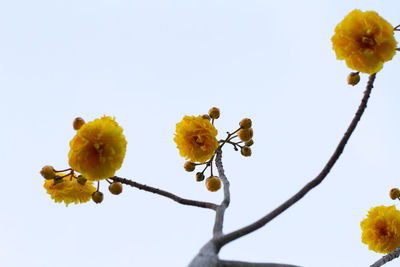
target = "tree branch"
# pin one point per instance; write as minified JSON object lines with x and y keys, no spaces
{"x":316,"y":181}
{"x":385,"y":259}
{"x":220,"y":212}
{"x":180,"y":200}
{"x":222,"y":263}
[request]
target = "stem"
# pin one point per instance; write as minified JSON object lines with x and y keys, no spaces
{"x":180,"y":200}
{"x":388,"y":257}
{"x":313,"y":183}
{"x":220,"y":212}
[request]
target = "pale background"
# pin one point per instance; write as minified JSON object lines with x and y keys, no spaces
{"x":148,"y":63}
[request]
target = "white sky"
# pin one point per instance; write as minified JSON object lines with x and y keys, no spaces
{"x":148,"y":63}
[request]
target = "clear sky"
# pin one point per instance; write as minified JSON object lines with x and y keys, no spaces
{"x":149,"y":63}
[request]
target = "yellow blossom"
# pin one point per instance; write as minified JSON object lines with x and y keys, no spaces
{"x":381,"y":229}
{"x":196,"y":138}
{"x":365,"y":41}
{"x":69,"y":190}
{"x":98,"y":149}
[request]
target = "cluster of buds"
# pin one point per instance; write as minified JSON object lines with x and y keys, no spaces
{"x":115,"y":188}
{"x":246,"y":134}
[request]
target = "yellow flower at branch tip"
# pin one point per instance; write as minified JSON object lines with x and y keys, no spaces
{"x":381,"y":229}
{"x":98,"y":149}
{"x":364,"y":40}
{"x":196,"y":139}
{"x":69,"y":190}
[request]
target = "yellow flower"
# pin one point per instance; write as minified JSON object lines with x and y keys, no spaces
{"x":196,"y":138}
{"x":365,"y":40}
{"x":381,"y":229}
{"x":69,"y":190}
{"x":98,"y":149}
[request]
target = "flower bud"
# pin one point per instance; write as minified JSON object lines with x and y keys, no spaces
{"x":213,"y":183}
{"x":245,"y":123}
{"x":245,"y":134}
{"x":214,"y":113}
{"x":249,"y":143}
{"x":189,"y":166}
{"x":199,"y":176}
{"x":206,"y":116}
{"x":82,"y":180}
{"x":48,"y":172}
{"x":353,"y":78}
{"x":246,"y":151}
{"x":97,"y":197}
{"x":115,"y":188}
{"x":78,"y":123}
{"x":394,"y":193}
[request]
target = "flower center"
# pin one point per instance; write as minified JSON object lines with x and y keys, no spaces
{"x":368,"y":41}
{"x":197,"y":140}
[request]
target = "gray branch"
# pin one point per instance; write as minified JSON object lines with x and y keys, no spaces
{"x":316,"y":181}
{"x":220,"y":212}
{"x":180,"y":200}
{"x":223,"y":263}
{"x":385,"y":259}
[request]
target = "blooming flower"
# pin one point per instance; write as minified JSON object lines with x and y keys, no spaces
{"x":381,"y":229}
{"x":69,"y":190}
{"x":364,"y":40}
{"x":196,"y":138}
{"x":98,"y":149}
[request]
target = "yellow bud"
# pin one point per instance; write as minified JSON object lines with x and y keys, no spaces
{"x":82,"y":180}
{"x":115,"y":188}
{"x":199,"y":176}
{"x":246,"y":151}
{"x":353,"y":78}
{"x":214,"y":113}
{"x":206,"y":116}
{"x":189,"y":166}
{"x":48,"y":172}
{"x":213,"y":183}
{"x":249,"y":143}
{"x":394,"y":193}
{"x":245,"y":123}
{"x":78,"y":123}
{"x":245,"y":134}
{"x":97,"y":197}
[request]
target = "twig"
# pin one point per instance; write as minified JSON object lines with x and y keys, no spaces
{"x":222,"y":263}
{"x":180,"y":200}
{"x":387,"y":258}
{"x":316,"y":181}
{"x":219,"y":216}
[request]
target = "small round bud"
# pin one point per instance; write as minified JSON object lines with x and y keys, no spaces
{"x":82,"y":180}
{"x":394,"y":193}
{"x":199,"y":176}
{"x":213,"y":183}
{"x":245,"y":123}
{"x":189,"y":166}
{"x":206,"y":116}
{"x":245,"y":134}
{"x":246,"y":151}
{"x":214,"y":113}
{"x":249,"y":143}
{"x":78,"y":123}
{"x":353,"y":78}
{"x":48,"y":172}
{"x":97,"y":197}
{"x":115,"y":188}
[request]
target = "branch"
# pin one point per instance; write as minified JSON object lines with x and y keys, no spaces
{"x":219,"y":217}
{"x":316,"y":181}
{"x":222,"y":263}
{"x":180,"y":200}
{"x":387,"y":258}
